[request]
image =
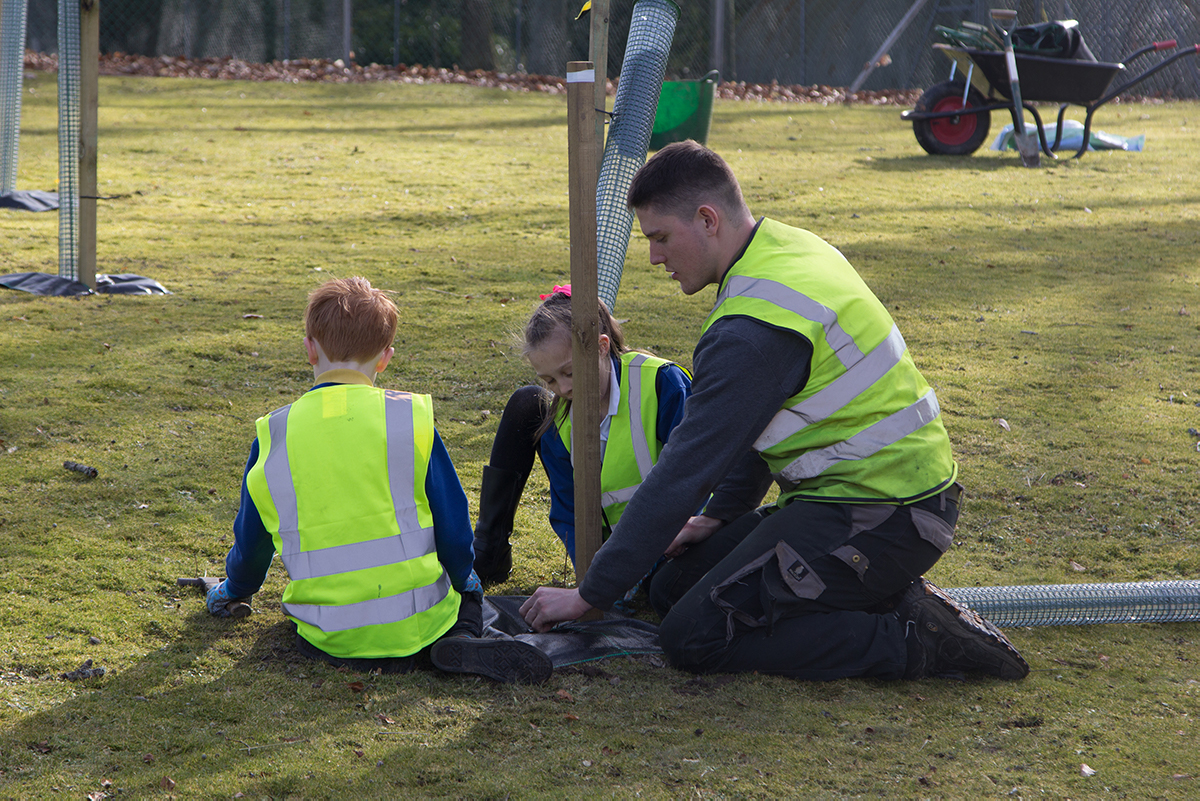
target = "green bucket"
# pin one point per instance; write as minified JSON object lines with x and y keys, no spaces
{"x":684,"y":111}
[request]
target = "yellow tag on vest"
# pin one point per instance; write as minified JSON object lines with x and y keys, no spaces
{"x":333,"y":401}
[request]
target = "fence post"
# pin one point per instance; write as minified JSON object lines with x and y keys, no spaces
{"x":716,"y":44}
{"x":89,"y":102}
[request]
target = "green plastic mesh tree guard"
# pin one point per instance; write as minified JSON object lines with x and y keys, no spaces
{"x":68,"y":139}
{"x":1084,"y":604}
{"x":642,"y":71}
{"x":12,"y":74}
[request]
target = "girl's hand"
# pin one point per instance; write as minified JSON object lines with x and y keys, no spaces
{"x":697,"y":529}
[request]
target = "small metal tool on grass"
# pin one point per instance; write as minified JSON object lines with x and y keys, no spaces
{"x":90,"y":472}
{"x":1005,"y":20}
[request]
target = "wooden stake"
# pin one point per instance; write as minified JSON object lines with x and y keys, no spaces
{"x":89,"y":103}
{"x":583,"y":169}
{"x":598,"y":53}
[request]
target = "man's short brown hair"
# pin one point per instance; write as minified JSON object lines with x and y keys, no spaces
{"x":350,"y":319}
{"x":681,"y":178}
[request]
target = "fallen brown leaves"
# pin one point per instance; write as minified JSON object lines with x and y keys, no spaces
{"x":321,"y":70}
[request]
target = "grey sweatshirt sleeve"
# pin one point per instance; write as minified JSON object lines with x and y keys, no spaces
{"x":744,"y":371}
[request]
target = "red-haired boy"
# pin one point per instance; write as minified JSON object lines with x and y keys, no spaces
{"x":351,"y":485}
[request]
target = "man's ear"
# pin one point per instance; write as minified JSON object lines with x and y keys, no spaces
{"x":313,"y":351}
{"x":382,"y":364}
{"x":710,"y":216}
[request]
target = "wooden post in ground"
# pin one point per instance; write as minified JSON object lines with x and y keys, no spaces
{"x":89,"y":103}
{"x":583,"y":169}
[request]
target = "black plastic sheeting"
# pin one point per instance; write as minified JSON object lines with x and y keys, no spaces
{"x":55,"y":285}
{"x":571,"y":643}
{"x":29,"y":200}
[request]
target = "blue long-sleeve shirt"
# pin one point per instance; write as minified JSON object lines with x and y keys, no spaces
{"x":672,"y":385}
{"x":250,"y":557}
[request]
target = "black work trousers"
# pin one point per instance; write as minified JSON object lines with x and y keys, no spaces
{"x":803,"y":591}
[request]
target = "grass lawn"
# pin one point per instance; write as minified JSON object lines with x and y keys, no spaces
{"x":1063,"y":301}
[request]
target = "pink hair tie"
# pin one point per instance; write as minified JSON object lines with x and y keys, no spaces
{"x":563,"y":290}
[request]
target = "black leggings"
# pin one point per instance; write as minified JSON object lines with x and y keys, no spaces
{"x":516,"y":437}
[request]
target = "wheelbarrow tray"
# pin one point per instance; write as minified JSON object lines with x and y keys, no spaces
{"x":1055,"y":80}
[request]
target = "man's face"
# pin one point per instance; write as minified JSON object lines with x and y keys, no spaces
{"x":685,"y":248}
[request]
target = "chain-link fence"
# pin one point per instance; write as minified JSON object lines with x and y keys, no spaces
{"x":788,"y":41}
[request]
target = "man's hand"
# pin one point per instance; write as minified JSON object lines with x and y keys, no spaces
{"x":550,"y":605}
{"x":697,"y":529}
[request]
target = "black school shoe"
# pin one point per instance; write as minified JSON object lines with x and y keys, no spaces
{"x":497,"y":659}
{"x":945,"y":637}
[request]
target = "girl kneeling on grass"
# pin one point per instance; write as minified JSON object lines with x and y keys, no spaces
{"x":642,"y":397}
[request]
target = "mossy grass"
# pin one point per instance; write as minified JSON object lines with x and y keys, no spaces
{"x":1062,"y":301}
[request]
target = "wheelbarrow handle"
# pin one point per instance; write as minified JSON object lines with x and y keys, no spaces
{"x":1153,"y":47}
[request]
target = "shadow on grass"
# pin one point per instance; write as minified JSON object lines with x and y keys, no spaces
{"x":166,"y":717}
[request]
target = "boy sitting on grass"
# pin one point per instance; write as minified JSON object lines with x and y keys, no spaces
{"x":354,"y":489}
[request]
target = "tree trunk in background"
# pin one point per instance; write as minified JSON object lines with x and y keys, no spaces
{"x":477,"y":36}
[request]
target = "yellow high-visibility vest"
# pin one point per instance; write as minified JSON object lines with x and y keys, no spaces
{"x":633,"y":445}
{"x":866,"y":427}
{"x":340,"y":484}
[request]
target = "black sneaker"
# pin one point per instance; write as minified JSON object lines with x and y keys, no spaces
{"x":945,"y":637}
{"x":497,"y":659}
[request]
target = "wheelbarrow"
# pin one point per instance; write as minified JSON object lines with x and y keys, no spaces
{"x":953,"y":118}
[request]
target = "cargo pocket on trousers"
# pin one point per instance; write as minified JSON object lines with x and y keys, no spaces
{"x":786,"y":581}
{"x":933,"y":529}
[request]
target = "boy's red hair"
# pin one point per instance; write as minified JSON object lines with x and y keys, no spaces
{"x":350,"y":319}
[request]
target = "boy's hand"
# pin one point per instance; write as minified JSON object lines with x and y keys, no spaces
{"x":550,"y":605}
{"x":222,"y":604}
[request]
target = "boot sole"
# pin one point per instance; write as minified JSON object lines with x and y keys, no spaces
{"x":507,"y":661}
{"x":993,"y":653}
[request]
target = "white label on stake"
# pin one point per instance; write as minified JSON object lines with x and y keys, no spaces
{"x":583,"y":76}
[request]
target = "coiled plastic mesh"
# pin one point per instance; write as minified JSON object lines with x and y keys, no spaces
{"x":1084,"y":604}
{"x":12,"y":74}
{"x":68,"y":139}
{"x":642,"y":71}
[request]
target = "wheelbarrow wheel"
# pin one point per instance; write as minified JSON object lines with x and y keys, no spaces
{"x":960,"y":135}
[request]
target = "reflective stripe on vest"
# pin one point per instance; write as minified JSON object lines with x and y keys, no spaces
{"x":641,"y":448}
{"x":785,"y":297}
{"x":868,"y":442}
{"x":372,"y":612}
{"x":869,"y":369}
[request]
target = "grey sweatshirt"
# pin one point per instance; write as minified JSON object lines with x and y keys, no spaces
{"x":744,"y":370}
